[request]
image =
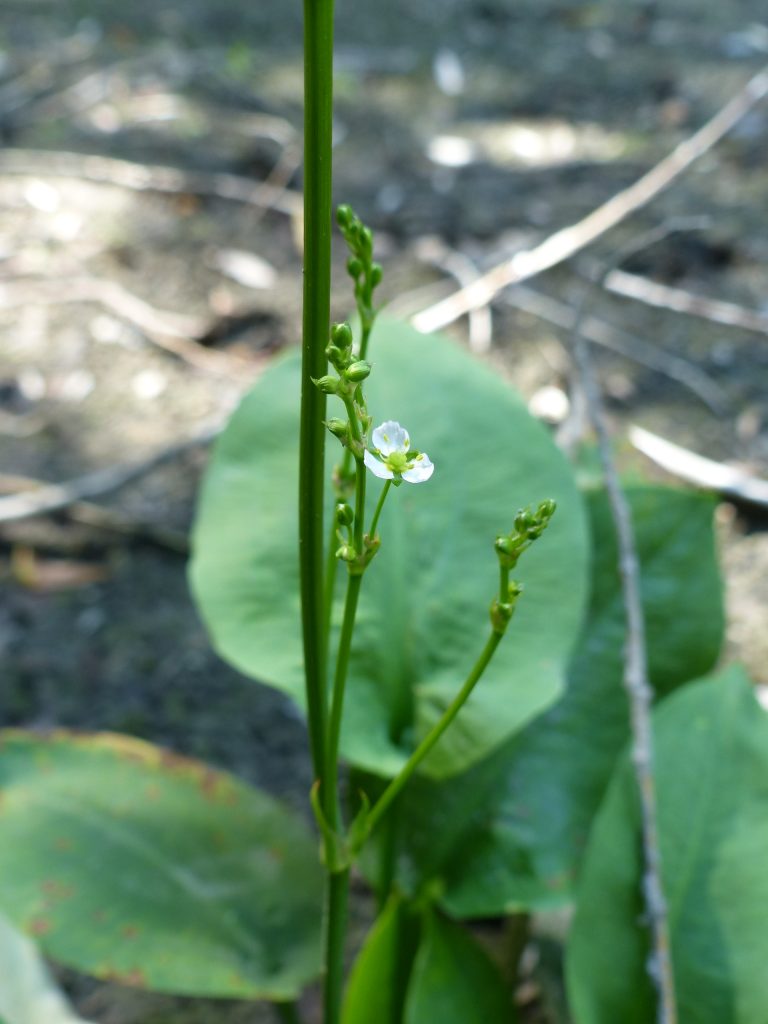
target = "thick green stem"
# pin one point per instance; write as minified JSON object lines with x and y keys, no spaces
{"x":337,"y":898}
{"x":384,"y":802}
{"x":318,"y":106}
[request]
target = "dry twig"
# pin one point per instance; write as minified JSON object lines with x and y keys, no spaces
{"x":53,"y":497}
{"x":565,"y":243}
{"x":696,"y":469}
{"x":138,"y":177}
{"x":599,"y":332}
{"x":636,"y":683}
{"x":460,"y":267}
{"x":173,"y":332}
{"x":662,"y":296}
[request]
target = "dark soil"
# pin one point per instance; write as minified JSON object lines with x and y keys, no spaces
{"x":552,"y":105}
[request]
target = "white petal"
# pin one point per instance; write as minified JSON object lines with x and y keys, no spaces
{"x":421,"y":469}
{"x":391,"y":437}
{"x":376,"y":467}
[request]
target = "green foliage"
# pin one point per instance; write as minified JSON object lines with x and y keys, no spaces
{"x":134,"y":864}
{"x":454,"y":981}
{"x":424,"y":605}
{"x":510,"y":832}
{"x":416,"y":966}
{"x":712,"y":781}
{"x":378,"y":984}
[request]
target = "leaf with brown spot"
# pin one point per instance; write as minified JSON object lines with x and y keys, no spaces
{"x":210,"y":888}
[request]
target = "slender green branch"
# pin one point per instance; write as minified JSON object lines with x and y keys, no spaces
{"x":331,"y":802}
{"x":393,"y":789}
{"x":318,"y":100}
{"x":379,"y":507}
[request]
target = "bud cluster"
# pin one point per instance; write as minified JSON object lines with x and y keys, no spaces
{"x":365,"y":274}
{"x":528,"y":527}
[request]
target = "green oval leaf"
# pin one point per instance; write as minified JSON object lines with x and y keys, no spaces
{"x":378,"y":983}
{"x":132,"y":863}
{"x":423,"y":612}
{"x":711,"y":775}
{"x":510,"y":833}
{"x":454,"y":981}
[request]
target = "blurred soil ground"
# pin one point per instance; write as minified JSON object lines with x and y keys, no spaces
{"x":483,"y":124}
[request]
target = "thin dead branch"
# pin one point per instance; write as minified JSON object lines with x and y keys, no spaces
{"x":53,"y":497}
{"x":599,"y":332}
{"x":677,"y":300}
{"x":635,"y":677}
{"x":173,"y":332}
{"x":138,"y":177}
{"x":567,"y":242}
{"x":460,"y":267}
{"x":695,"y":469}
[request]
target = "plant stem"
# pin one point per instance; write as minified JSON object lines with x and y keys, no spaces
{"x":335,"y":934}
{"x":379,"y":507}
{"x":318,"y":105}
{"x":331,"y":803}
{"x":288,"y":1013}
{"x":393,"y":789}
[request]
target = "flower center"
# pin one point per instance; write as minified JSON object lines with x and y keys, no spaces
{"x":397,"y":461}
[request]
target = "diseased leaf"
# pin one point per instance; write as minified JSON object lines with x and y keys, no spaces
{"x":510,"y":833}
{"x":454,"y":981}
{"x":423,"y":612}
{"x":134,"y":864}
{"x":711,"y":769}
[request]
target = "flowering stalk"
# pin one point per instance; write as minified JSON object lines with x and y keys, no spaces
{"x":529,"y":525}
{"x":366,"y":275}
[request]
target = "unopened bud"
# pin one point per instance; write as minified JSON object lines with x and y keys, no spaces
{"x":346,"y":553}
{"x":344,"y":514}
{"x":376,"y":274}
{"x":366,"y":240}
{"x":339,"y":428}
{"x":358,"y":371}
{"x":354,"y":267}
{"x":344,"y":215}
{"x":328,"y":385}
{"x":547,"y":508}
{"x":341,"y":335}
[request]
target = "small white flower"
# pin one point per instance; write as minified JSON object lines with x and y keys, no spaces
{"x":391,"y":459}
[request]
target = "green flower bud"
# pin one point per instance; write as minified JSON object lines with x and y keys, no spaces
{"x":366,"y":240}
{"x":344,"y":215}
{"x":346,"y":553}
{"x":344,"y":514}
{"x":341,"y":335}
{"x":547,"y":509}
{"x":328,"y":385}
{"x":376,"y":274}
{"x":354,"y":267}
{"x":358,"y":371}
{"x":339,"y":428}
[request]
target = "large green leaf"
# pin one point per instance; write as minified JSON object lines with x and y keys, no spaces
{"x":423,"y":613}
{"x":510,"y":833}
{"x":377,"y":985}
{"x":132,"y":863}
{"x":712,"y":781}
{"x":454,"y":981}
